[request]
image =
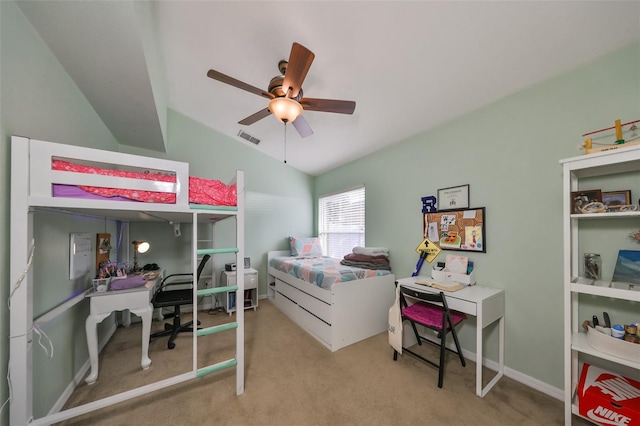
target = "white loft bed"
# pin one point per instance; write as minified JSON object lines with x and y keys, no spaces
{"x":32,"y":179}
{"x":348,"y":313}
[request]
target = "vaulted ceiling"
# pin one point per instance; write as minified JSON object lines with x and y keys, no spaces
{"x":409,"y":66}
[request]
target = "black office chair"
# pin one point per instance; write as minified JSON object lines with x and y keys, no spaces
{"x":164,"y":297}
{"x":431,"y":311}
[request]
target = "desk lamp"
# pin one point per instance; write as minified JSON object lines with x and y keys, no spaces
{"x":139,"y":247}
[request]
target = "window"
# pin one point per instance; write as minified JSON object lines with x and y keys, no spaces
{"x":341,"y":221}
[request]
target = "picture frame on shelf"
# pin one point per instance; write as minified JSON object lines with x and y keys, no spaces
{"x":453,"y":198}
{"x":582,"y":198}
{"x":616,"y":199}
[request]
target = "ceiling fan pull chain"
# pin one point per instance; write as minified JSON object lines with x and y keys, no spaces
{"x":285,"y":143}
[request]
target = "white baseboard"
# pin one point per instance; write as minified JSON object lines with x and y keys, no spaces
{"x":533,"y":383}
{"x":518,"y":376}
{"x":82,"y":372}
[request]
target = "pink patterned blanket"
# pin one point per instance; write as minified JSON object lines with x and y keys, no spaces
{"x":201,"y":191}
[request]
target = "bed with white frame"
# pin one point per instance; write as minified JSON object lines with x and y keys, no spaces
{"x":348,"y":313}
{"x":32,"y":179}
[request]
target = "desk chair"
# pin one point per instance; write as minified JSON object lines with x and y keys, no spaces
{"x":165,"y":297}
{"x":432,"y":312}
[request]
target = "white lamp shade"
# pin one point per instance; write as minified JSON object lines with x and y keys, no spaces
{"x":285,"y":109}
{"x":142,"y":246}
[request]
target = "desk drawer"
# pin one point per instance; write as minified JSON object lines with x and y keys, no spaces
{"x":469,"y":308}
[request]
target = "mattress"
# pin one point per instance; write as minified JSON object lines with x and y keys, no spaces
{"x":323,"y":271}
{"x":201,"y":191}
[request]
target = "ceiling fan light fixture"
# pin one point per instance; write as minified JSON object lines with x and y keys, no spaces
{"x":285,"y":109}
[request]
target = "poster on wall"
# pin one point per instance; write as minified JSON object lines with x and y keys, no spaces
{"x":462,"y":230}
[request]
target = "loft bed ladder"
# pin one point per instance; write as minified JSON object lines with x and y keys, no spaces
{"x":238,"y":324}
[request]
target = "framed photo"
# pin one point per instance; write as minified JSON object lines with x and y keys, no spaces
{"x":616,"y":199}
{"x":453,"y":198}
{"x":462,"y":229}
{"x":582,"y":198}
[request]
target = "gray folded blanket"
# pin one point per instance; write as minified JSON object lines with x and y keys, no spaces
{"x":371,"y":251}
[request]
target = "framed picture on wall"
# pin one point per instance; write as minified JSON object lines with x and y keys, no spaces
{"x":453,"y":198}
{"x":462,"y":230}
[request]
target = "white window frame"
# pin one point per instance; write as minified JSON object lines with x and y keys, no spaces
{"x":348,"y":206}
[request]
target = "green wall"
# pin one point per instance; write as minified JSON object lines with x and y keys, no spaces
{"x":39,"y":100}
{"x":508,"y":152}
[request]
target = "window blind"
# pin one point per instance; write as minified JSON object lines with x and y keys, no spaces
{"x":341,"y":220}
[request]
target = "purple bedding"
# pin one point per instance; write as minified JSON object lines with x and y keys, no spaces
{"x":72,"y":191}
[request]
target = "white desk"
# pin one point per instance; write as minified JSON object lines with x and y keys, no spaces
{"x":136,"y":300}
{"x":484,"y":303}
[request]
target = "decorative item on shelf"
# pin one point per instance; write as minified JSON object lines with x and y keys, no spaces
{"x":615,"y":200}
{"x":588,"y":201}
{"x":594,"y":207}
{"x":635,"y":236}
{"x":588,"y":143}
{"x":592,"y":265}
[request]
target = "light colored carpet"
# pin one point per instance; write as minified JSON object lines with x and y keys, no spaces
{"x":291,"y":379}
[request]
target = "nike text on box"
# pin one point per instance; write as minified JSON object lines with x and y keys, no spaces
{"x":607,"y":398}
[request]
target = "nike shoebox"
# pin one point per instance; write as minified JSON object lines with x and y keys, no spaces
{"x":608,"y":398}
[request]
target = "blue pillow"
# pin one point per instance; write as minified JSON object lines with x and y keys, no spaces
{"x":305,"y":246}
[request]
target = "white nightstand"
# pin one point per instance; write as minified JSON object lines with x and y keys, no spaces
{"x":250,"y":297}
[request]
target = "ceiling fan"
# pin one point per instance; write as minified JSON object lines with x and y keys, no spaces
{"x":286,"y":101}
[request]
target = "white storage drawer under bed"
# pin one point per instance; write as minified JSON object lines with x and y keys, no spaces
{"x":309,"y":303}
{"x":306,"y":320}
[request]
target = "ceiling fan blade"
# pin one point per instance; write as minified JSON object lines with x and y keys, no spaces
{"x":328,"y":105}
{"x":216,"y":75}
{"x":302,"y":127}
{"x":255,"y":117}
{"x":300,"y":60}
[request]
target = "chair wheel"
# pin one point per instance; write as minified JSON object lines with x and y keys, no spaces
{"x":171,"y":345}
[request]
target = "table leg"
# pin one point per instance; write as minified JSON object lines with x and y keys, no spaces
{"x":92,"y":344}
{"x":501,"y":348}
{"x":145,"y":314}
{"x":500,"y":373}
{"x":479,"y":346}
{"x":126,"y":318}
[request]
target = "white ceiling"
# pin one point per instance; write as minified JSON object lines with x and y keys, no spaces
{"x":409,"y":66}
